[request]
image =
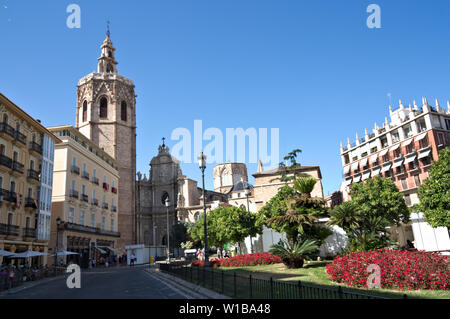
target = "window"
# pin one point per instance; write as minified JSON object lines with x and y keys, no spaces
{"x":92,"y":220}
{"x":410,"y":148}
{"x":84,"y":111}
{"x":72,"y":186}
{"x":397,"y":153}
{"x":103,"y":107}
{"x":447,"y":124}
{"x":384,"y":142}
{"x":417,"y":180}
{"x":2,"y":149}
{"x":94,"y":173}
{"x":83,"y":189}
{"x":386,"y":158}
{"x":5,"y":118}
{"x":10,"y":219}
{"x":424,"y":142}
{"x":407,"y":131}
{"x":421,"y":125}
{"x":440,"y":138}
{"x":364,"y":154}
{"x":355,"y":158}
{"x":82,"y":215}
{"x":84,"y":168}
{"x":373,"y":149}
{"x":408,"y":200}
{"x":12,"y":187}
{"x":395,"y":137}
{"x":164,"y":197}
{"x":112,"y":224}
{"x":123,"y":111}
{"x":71,"y":214}
{"x":74,"y":161}
{"x":414,"y":164}
{"x":103,"y":223}
{"x":104,"y":199}
{"x":404,"y":183}
{"x":346,"y":159}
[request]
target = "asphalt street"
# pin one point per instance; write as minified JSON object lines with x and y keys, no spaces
{"x":106,"y":283}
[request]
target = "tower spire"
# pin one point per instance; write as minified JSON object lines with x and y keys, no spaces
{"x":107,"y":62}
{"x":108,"y":33}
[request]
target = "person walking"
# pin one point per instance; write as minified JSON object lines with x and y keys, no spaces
{"x":132,"y":259}
{"x":218,"y":253}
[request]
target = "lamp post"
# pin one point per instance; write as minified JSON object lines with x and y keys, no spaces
{"x":202,"y":165}
{"x":58,"y":222}
{"x":167,"y":202}
{"x":247,"y":194}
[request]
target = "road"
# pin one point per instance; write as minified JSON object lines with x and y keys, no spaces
{"x":105,"y":283}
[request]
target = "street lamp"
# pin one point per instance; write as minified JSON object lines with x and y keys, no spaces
{"x":247,"y":194}
{"x":202,"y":165}
{"x":58,"y":222}
{"x":167,"y":202}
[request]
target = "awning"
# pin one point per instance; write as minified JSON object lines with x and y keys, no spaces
{"x":410,"y":159}
{"x":397,"y":164}
{"x":386,"y":168}
{"x":421,"y":136}
{"x":424,"y":154}
{"x":363,"y":162}
{"x":355,"y":166}
{"x":356,"y":179}
{"x":115,"y":251}
{"x":373,"y":159}
{"x":348,"y":182}
{"x":382,"y":153}
{"x":407,"y":142}
{"x":375,"y":172}
{"x":347,"y":169}
{"x":395,"y":147}
{"x":366,"y":176}
{"x":100,"y":250}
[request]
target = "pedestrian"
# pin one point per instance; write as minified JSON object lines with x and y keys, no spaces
{"x":223,"y":253}
{"x":132,"y":259}
{"x":199,"y":254}
{"x":93,"y":262}
{"x":218,"y":253}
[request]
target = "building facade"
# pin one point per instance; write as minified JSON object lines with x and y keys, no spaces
{"x":402,"y":150}
{"x":106,"y":114}
{"x":24,"y":223}
{"x":85,"y":197}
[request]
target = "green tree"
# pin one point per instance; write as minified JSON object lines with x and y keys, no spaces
{"x":293,"y":255}
{"x":288,"y":172}
{"x":293,"y":211}
{"x":227,"y":224}
{"x":345,"y":216}
{"x":434,"y":193}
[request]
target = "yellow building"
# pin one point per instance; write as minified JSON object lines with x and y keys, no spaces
{"x":22,"y":139}
{"x":85,"y":198}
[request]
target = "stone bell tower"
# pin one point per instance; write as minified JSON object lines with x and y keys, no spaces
{"x":106,"y":114}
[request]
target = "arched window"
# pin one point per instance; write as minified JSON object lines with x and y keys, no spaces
{"x":164,"y":197}
{"x":109,"y":68}
{"x":123,"y":111}
{"x":103,"y":108}
{"x":84,"y":111}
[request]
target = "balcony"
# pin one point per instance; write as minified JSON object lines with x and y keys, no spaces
{"x":35,"y":148}
{"x":105,"y":206}
{"x":105,"y":186}
{"x":5,"y":163}
{"x":8,"y":196}
{"x":85,"y":175}
{"x":88,"y":230}
{"x":73,"y":194}
{"x":19,"y":137}
{"x":113,"y":208}
{"x":94,"y":180}
{"x":30,"y":203}
{"x":9,"y":230}
{"x":75,"y":170}
{"x":94,"y":202}
{"x":85,"y":198}
{"x":33,"y":175}
{"x":29,"y":233}
{"x":7,"y":131}
{"x":17,"y":168}
{"x":114,"y":190}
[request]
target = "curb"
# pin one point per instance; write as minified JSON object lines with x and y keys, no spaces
{"x":190,"y":290}
{"x":28,"y":285}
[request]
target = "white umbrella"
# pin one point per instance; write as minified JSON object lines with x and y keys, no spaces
{"x":29,"y":253}
{"x":4,"y":253}
{"x":65,"y":253}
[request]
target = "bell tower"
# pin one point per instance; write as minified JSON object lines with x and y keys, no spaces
{"x":106,"y":114}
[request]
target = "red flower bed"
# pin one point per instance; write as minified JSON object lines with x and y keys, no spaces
{"x":399,"y":269}
{"x":241,"y":260}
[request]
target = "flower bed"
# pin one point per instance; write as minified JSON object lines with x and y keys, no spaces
{"x":399,"y":269}
{"x":241,"y":260}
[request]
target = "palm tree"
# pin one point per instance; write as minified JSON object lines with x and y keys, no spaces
{"x":305,"y":185}
{"x":345,"y":216}
{"x":293,"y":256}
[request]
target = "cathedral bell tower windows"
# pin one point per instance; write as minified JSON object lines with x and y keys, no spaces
{"x":103,"y":108}
{"x":123,"y":111}
{"x":84,"y":111}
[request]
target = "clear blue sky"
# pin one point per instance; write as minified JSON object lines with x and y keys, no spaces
{"x":310,"y":68}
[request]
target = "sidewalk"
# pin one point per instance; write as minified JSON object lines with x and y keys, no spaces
{"x":190,"y":290}
{"x":29,"y":284}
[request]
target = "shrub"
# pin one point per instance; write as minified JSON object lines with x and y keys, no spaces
{"x":404,"y":270}
{"x":240,"y":260}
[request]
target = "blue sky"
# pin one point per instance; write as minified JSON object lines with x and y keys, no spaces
{"x":310,"y":68}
